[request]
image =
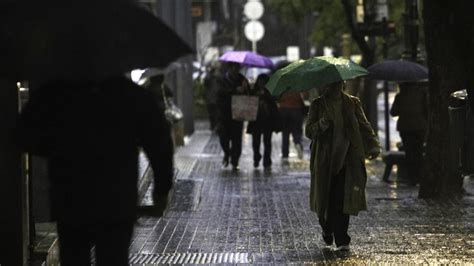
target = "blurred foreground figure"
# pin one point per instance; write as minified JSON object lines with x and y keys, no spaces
{"x":211,"y":88}
{"x":90,"y":134}
{"x":341,"y":140}
{"x":411,"y":106}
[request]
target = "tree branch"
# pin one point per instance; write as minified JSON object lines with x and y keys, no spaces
{"x":367,"y":52}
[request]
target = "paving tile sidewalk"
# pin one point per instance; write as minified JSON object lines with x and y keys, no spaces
{"x":257,"y":216}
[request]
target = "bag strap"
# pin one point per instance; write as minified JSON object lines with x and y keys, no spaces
{"x":165,"y":100}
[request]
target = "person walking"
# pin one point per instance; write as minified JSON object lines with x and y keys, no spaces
{"x":90,"y":133}
{"x":265,"y":124}
{"x":211,"y":87}
{"x":411,"y":107}
{"x":228,"y":129}
{"x":291,"y":107}
{"x":341,"y":140}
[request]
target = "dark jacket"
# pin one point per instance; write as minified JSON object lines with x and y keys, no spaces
{"x":211,"y":87}
{"x":268,"y":118}
{"x":411,"y":106}
{"x":90,"y":134}
{"x":228,"y":88}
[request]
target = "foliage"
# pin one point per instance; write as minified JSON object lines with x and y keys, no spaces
{"x":331,"y":24}
{"x":295,"y":10}
{"x":396,"y":40}
{"x":328,"y":26}
{"x":331,"y":21}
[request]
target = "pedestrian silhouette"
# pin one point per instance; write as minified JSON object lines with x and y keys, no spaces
{"x":291,"y":106}
{"x":211,"y":87}
{"x":266,"y":123}
{"x":91,"y":132}
{"x":228,"y":129}
{"x":341,"y":140}
{"x":411,"y":107}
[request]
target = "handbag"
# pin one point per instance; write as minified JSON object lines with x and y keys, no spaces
{"x":172,"y":112}
{"x":244,"y":107}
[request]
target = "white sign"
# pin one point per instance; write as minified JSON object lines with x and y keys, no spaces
{"x":211,"y":55}
{"x":253,"y":10}
{"x":292,"y":53}
{"x":254,"y":31}
{"x":382,"y":12}
{"x":328,"y":51}
{"x":360,"y":14}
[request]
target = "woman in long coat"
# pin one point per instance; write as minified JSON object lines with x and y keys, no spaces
{"x":341,"y":140}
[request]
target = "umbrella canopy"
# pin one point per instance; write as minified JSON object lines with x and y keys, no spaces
{"x":307,"y":74}
{"x":83,"y":40}
{"x":398,"y":70}
{"x":247,"y":58}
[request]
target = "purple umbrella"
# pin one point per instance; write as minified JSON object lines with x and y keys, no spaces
{"x":247,"y":58}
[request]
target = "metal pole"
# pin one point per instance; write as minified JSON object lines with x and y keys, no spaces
{"x":387,"y":117}
{"x":385,"y":85}
{"x":254,"y":49}
{"x":13,"y":184}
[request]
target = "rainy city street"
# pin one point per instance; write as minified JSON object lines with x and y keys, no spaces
{"x":236,"y":132}
{"x":258,"y":216}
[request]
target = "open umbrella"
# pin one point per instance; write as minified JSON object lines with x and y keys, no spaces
{"x":247,"y":58}
{"x":307,"y":74}
{"x":398,"y":70}
{"x":42,"y":40}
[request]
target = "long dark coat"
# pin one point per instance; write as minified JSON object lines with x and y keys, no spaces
{"x":411,"y":106}
{"x":90,"y":134}
{"x":362,"y":141}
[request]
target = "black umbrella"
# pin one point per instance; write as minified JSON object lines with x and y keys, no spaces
{"x":398,"y":70}
{"x":44,"y":40}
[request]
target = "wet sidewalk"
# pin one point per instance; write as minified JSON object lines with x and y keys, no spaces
{"x":257,"y":216}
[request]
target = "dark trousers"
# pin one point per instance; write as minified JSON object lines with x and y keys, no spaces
{"x":111,"y":241}
{"x":413,"y":146}
{"x":267,"y":147}
{"x":292,"y":123}
{"x":212,"y":112}
{"x":337,"y":222}
{"x":230,"y":137}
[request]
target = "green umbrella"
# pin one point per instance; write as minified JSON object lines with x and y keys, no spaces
{"x":315,"y":72}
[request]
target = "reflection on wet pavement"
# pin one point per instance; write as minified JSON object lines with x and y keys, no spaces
{"x":264,"y":215}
